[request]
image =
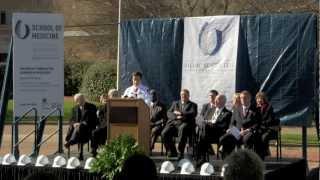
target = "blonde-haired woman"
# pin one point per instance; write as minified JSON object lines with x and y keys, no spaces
{"x":236,"y":103}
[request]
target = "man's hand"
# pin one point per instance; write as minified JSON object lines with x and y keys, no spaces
{"x":244,"y":132}
{"x":179,"y":117}
{"x":228,"y":130}
{"x":76,"y":125}
{"x":177,"y":113}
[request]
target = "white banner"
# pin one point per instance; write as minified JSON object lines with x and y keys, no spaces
{"x":209,"y":56}
{"x":38,"y":62}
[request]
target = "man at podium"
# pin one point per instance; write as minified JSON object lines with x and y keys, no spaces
{"x":137,"y":90}
{"x":181,"y":121}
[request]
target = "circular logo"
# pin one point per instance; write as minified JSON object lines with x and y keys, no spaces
{"x":21,"y":30}
{"x":209,"y":39}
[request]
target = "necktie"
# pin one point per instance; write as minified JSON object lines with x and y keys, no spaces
{"x":245,"y":109}
{"x":215,"y":116}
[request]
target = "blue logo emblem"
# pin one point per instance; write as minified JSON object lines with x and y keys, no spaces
{"x":210,"y":39}
{"x":22,"y":32}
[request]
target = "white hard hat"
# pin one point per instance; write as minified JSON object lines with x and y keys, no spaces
{"x":42,"y":160}
{"x":182,"y":161}
{"x":88,"y":163}
{"x":187,"y":168}
{"x":73,"y":163}
{"x":167,"y":167}
{"x":206,"y":169}
{"x":59,"y":161}
{"x":8,"y":159}
{"x":24,"y":160}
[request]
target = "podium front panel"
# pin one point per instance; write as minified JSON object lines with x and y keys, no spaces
{"x":117,"y":114}
{"x":129,"y":116}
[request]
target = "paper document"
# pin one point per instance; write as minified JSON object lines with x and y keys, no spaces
{"x":235,"y":132}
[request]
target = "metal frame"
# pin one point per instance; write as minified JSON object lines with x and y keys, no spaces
{"x":41,"y":125}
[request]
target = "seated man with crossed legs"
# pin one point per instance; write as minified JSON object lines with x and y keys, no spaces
{"x":181,"y":120}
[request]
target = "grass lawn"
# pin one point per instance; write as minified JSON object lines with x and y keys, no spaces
{"x":290,"y":135}
{"x":68,"y":104}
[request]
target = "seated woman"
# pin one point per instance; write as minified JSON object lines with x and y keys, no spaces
{"x":268,"y":128}
{"x":99,"y":134}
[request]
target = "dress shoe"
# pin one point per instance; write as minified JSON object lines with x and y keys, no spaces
{"x":200,"y":162}
{"x":67,"y":145}
{"x":81,"y":157}
{"x":170,"y":155}
{"x":181,"y":156}
{"x":94,"y":153}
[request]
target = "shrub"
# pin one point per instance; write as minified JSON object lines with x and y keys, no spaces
{"x":99,"y":78}
{"x":112,"y":156}
{"x":73,"y":75}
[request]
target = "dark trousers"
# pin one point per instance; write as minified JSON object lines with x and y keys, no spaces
{"x":249,"y":140}
{"x":99,"y":137}
{"x":262,"y":145}
{"x":155,"y":133}
{"x":212,"y":135}
{"x":228,"y":143}
{"x":175,"y":128}
{"x":77,"y":135}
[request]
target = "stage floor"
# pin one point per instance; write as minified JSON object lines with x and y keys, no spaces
{"x":274,"y":169}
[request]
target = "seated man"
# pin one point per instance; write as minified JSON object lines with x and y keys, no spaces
{"x":99,"y":135}
{"x":181,"y":120}
{"x":246,"y":119}
{"x":158,"y":117}
{"x":205,"y":114}
{"x":137,"y":90}
{"x":82,"y":122}
{"x":214,"y":127}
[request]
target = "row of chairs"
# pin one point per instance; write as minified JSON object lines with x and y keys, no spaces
{"x":192,"y":143}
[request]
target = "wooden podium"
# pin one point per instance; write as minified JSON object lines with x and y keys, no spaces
{"x":129,"y":116}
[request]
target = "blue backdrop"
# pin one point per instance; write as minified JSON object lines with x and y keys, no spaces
{"x":277,"y":54}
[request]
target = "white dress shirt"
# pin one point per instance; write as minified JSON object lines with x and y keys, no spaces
{"x":215,"y":115}
{"x":139,"y":92}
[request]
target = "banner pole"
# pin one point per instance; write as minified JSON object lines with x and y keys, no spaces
{"x":6,"y":89}
{"x":118,"y":53}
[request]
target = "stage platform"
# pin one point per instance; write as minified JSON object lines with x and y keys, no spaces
{"x":283,"y":169}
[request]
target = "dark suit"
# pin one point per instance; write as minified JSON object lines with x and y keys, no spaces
{"x":179,"y":127}
{"x":265,"y":131}
{"x":99,"y":134}
{"x":213,"y":132}
{"x":158,"y":117}
{"x":250,"y":120}
{"x":207,"y":111}
{"x":88,"y":121}
{"x":242,"y":120}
